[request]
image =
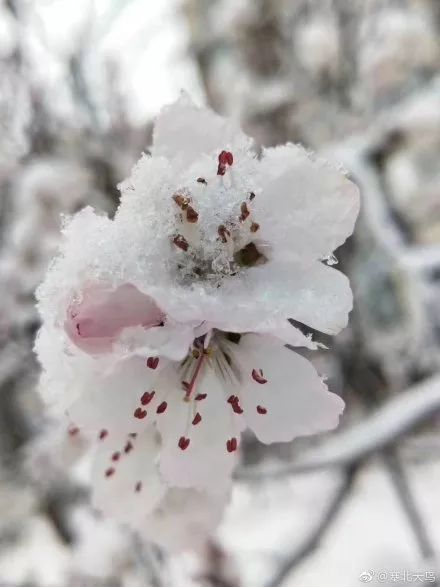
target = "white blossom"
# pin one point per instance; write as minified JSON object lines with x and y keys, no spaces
{"x":164,"y":329}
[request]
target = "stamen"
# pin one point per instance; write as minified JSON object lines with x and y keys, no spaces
{"x":128,"y":447}
{"x":244,"y":212}
{"x":152,"y":362}
{"x":103,"y":434}
{"x":202,"y":180}
{"x":225,"y":158}
{"x":183,"y":443}
{"x":147,"y":397}
{"x":191,"y":215}
{"x":196,"y":373}
{"x":138,"y":486}
{"x":235,"y":404}
{"x":223,"y":233}
{"x":109,"y":472}
{"x":139,"y":413}
{"x":254,"y":227}
{"x":73,"y":431}
{"x":197,"y":419}
{"x":200,"y":396}
{"x":258,"y":376}
{"x":161,"y":408}
{"x":231,"y":444}
{"x":133,"y":435}
{"x":181,"y":201}
{"x":251,"y":196}
{"x":261,"y":410}
{"x":181,"y":242}
{"x":116,"y":456}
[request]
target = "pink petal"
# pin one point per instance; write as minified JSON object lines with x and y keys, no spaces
{"x":95,"y":322}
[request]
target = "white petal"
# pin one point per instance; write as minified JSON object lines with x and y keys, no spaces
{"x":184,"y":131}
{"x":109,"y":400}
{"x":296,"y":400}
{"x":125,"y":480}
{"x":184,"y":519}
{"x":206,"y":462}
{"x":307,"y":208}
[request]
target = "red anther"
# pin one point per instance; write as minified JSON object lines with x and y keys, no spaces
{"x":191,"y":215}
{"x":139,"y":413}
{"x":116,"y":456}
{"x":261,"y":410}
{"x":231,"y":444}
{"x":201,"y":396}
{"x":244,"y":212}
{"x":183,"y":443}
{"x":223,"y":233}
{"x":138,"y":486}
{"x":236,"y":407}
{"x":181,"y":201}
{"x":225,"y":158}
{"x":202,"y":180}
{"x":103,"y":434}
{"x":147,"y":397}
{"x":109,"y":472}
{"x":231,"y":399}
{"x":254,"y":227}
{"x":258,"y":376}
{"x":197,"y":419}
{"x":181,"y":242}
{"x":128,"y":447}
{"x":73,"y":431}
{"x":161,"y":408}
{"x":152,"y":362}
{"x":251,"y":196}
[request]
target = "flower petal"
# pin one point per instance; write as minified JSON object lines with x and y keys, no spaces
{"x":125,"y":480}
{"x":205,"y":462}
{"x":184,"y":131}
{"x":184,"y":519}
{"x":109,"y":400}
{"x":307,"y":208}
{"x":97,"y":319}
{"x":282,"y":395}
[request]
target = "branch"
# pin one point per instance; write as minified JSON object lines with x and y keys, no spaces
{"x":379,"y":430}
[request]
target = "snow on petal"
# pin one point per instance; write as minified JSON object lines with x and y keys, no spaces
{"x":183,"y":132}
{"x":101,"y":313}
{"x":126,"y":484}
{"x":308,"y":208}
{"x":282,"y":394}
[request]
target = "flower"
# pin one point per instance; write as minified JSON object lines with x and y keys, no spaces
{"x":164,"y":330}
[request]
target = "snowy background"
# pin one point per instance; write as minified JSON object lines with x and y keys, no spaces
{"x":357,"y":80}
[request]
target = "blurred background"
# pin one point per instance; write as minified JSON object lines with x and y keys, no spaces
{"x":358,"y":81}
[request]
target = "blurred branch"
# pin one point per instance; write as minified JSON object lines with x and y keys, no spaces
{"x":318,"y":533}
{"x":383,"y":428}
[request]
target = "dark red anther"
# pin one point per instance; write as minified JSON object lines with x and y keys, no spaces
{"x":254,"y":227}
{"x":138,"y":486}
{"x":251,"y":196}
{"x":116,"y":456}
{"x":258,"y":376}
{"x":223,"y":233}
{"x":261,"y":410}
{"x":244,"y":212}
{"x":191,"y":215}
{"x":181,"y":201}
{"x":109,"y":472}
{"x":183,"y":443}
{"x":235,"y":404}
{"x":181,"y":242}
{"x":103,"y":434}
{"x":152,"y":362}
{"x":147,"y":397}
{"x":73,"y":431}
{"x":225,"y":158}
{"x":202,"y":180}
{"x":197,"y":419}
{"x":161,"y":408}
{"x":231,"y":444}
{"x":139,"y":413}
{"x":128,"y":447}
{"x":201,"y":396}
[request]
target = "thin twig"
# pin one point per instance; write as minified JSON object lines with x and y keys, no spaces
{"x":318,"y":533}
